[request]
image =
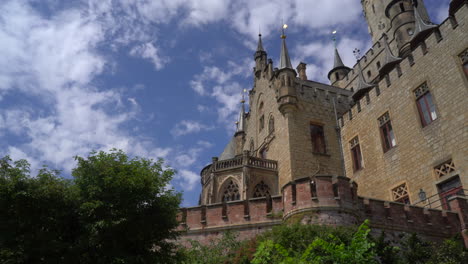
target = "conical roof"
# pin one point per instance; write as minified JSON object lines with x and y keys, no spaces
{"x":363,"y":86}
{"x":390,"y":59}
{"x":338,"y":62}
{"x":285,"y":61}
{"x":421,"y":27}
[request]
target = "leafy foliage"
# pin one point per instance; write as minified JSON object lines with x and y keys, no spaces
{"x":115,"y":210}
{"x":300,"y":244}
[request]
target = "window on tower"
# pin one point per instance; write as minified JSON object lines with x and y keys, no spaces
{"x":356,"y":153}
{"x":386,"y":132}
{"x":426,"y":107}
{"x":318,"y":139}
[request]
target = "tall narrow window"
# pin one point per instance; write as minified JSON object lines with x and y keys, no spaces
{"x":318,"y":138}
{"x":386,"y":132}
{"x":356,"y":153}
{"x":426,"y":107}
{"x":261,"y":122}
{"x":271,"y":125}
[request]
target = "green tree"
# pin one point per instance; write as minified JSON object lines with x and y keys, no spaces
{"x":38,"y":217}
{"x":127,"y":211}
{"x":116,"y":210}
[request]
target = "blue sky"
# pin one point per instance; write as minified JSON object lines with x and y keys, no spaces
{"x":158,"y":78}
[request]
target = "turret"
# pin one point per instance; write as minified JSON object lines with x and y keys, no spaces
{"x":260,"y":57}
{"x":339,"y":70}
{"x":286,"y":75}
{"x":378,"y":23}
{"x":422,"y":27}
{"x":405,"y":16}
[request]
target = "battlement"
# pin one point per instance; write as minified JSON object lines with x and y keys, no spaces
{"x":418,"y":58}
{"x":323,"y":200}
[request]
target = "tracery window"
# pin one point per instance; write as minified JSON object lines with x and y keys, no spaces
{"x":231,"y":192}
{"x":261,"y":190}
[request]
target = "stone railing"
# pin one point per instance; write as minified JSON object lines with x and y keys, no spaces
{"x":241,"y":161}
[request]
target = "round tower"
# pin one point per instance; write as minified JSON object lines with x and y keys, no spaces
{"x":401,"y":15}
{"x":339,"y":70}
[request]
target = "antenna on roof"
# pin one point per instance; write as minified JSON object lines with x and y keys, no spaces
{"x":334,"y":37}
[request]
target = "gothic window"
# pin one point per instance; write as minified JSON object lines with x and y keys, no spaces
{"x":402,"y":7}
{"x":400,"y":194}
{"x":386,"y":132}
{"x":378,"y":65}
{"x":318,"y":138}
{"x":373,"y":9}
{"x":261,"y":190}
{"x":369,"y":74}
{"x":231,"y":192}
{"x":426,"y":107}
{"x":271,"y":125}
{"x":356,"y":153}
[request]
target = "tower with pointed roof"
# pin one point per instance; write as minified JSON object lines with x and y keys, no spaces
{"x":286,"y":75}
{"x":339,"y":70}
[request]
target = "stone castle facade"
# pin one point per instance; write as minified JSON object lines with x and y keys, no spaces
{"x":395,"y":124}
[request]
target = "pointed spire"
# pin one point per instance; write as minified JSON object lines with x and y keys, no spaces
{"x":390,"y":59}
{"x":338,"y":62}
{"x":338,"y":65}
{"x":285,"y":61}
{"x":260,"y":44}
{"x":241,"y":121}
{"x":421,"y":26}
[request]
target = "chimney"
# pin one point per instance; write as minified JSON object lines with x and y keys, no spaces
{"x":301,"y":69}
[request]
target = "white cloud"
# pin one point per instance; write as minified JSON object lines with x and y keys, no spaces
{"x":151,"y":52}
{"x":189,"y":179}
{"x":56,"y":60}
{"x":185,"y":127}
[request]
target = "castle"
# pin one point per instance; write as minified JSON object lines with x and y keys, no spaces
{"x":387,"y":140}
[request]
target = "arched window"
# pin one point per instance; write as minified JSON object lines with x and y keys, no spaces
{"x":231,"y":192}
{"x":271,"y":125}
{"x":261,"y":120}
{"x":261,"y":190}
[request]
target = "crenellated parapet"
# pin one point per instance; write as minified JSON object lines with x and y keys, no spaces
{"x":415,"y":61}
{"x":321,"y":200}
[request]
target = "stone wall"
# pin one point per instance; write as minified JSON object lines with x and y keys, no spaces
{"x":322,"y":200}
{"x":418,"y":149}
